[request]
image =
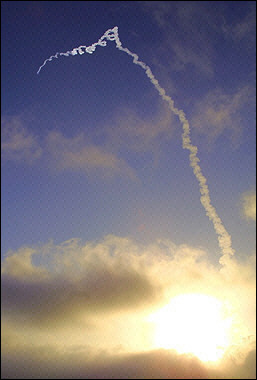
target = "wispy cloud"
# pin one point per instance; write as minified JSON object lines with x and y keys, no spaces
{"x":249,"y":204}
{"x":18,"y":143}
{"x":76,"y":153}
{"x":243,"y":29}
{"x":132,"y":132}
{"x":190,"y":46}
{"x":219,"y":111}
{"x":129,"y":132}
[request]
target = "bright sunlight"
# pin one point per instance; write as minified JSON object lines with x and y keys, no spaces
{"x":193,"y":323}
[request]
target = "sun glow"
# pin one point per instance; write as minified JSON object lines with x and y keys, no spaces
{"x":193,"y":323}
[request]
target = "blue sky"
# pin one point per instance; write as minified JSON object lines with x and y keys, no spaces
{"x":96,"y":95}
{"x":90,"y":149}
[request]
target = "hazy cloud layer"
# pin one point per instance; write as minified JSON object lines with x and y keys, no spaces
{"x":79,"y":310}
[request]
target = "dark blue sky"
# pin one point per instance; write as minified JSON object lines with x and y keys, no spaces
{"x":201,"y":53}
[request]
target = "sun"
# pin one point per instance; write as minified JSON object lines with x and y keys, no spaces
{"x":193,"y":323}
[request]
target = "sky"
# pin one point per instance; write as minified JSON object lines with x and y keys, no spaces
{"x":128,"y":189}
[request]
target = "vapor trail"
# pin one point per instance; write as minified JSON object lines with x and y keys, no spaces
{"x":224,"y":238}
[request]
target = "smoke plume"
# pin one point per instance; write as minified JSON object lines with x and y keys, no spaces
{"x":224,"y":238}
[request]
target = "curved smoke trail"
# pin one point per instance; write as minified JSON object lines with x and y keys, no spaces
{"x":222,"y":234}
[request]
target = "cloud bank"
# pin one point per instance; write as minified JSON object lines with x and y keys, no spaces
{"x":79,"y":310}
